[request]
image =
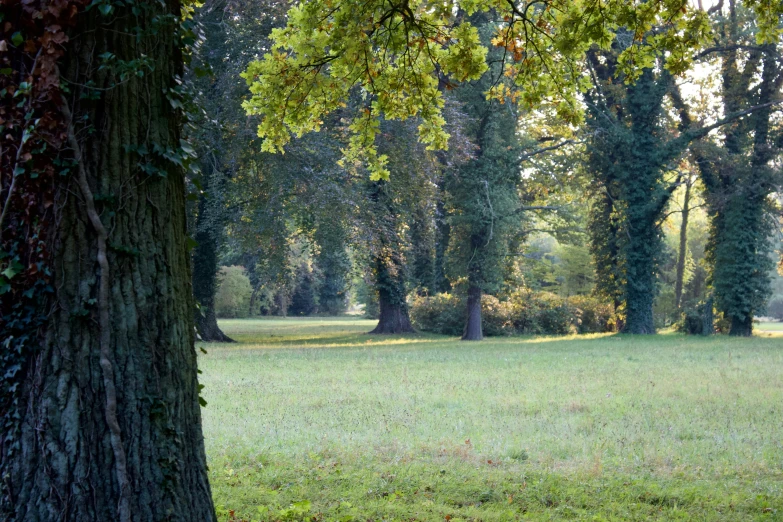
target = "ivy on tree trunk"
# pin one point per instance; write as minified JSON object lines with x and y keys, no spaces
{"x":109,"y":421}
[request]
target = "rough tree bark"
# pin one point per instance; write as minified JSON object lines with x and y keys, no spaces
{"x":110,"y":418}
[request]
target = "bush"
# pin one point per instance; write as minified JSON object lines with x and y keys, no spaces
{"x":591,"y":315}
{"x":496,"y":316}
{"x":540,"y":313}
{"x":550,"y":315}
{"x":522,"y":313}
{"x":691,"y":323}
{"x":441,"y":313}
{"x":700,"y":320}
{"x":232,"y":298}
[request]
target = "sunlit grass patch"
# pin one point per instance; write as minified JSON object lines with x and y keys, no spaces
{"x":610,"y":426}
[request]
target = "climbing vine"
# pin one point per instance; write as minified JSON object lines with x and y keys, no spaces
{"x":32,"y":166}
{"x":40,"y":142}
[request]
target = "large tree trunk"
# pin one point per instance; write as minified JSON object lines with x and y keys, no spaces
{"x":389,"y":265}
{"x":741,"y":326}
{"x":682,"y":254}
{"x":390,"y":283}
{"x":109,"y":417}
{"x":393,"y":318}
{"x":473,"y":330}
{"x":639,"y":291}
{"x":209,"y":229}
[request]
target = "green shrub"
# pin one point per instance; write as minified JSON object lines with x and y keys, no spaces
{"x":521,"y":313}
{"x":551,"y":314}
{"x":700,"y":320}
{"x":591,"y":315}
{"x":232,"y":298}
{"x":441,"y":313}
{"x":692,"y":322}
{"x":496,"y":316}
{"x":540,"y":313}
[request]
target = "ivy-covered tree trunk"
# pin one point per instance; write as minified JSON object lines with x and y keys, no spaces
{"x":740,"y":177}
{"x":390,"y":283}
{"x":604,"y":247}
{"x":209,"y":231}
{"x":389,"y":266}
{"x":639,"y":292}
{"x":628,"y":157}
{"x":109,"y":417}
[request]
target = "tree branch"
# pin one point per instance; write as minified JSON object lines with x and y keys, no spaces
{"x":536,"y":152}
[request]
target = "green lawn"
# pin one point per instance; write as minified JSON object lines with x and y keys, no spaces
{"x":310,"y":419}
{"x":769,"y":327}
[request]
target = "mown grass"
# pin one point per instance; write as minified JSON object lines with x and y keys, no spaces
{"x":769,"y":327}
{"x":310,"y":419}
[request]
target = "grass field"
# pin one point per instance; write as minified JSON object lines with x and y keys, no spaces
{"x":769,"y":327}
{"x":311,"y":419}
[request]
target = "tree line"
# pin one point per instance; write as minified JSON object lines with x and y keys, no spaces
{"x":462,"y":215}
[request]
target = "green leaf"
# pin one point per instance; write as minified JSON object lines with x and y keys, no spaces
{"x":17,"y":38}
{"x":9,"y":272}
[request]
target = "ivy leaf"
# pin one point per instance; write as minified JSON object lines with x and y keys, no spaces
{"x":17,"y":38}
{"x":9,"y":272}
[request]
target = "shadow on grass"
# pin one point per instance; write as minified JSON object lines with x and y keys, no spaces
{"x":319,"y":333}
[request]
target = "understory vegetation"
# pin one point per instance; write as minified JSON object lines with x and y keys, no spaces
{"x":312,"y":419}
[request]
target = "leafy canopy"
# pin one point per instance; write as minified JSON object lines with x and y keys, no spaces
{"x":401,"y":53}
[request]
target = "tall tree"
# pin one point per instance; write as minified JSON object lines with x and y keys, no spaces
{"x":232,"y":33}
{"x":631,"y":153}
{"x":482,"y":192}
{"x":388,"y":263}
{"x":740,"y":176}
{"x":682,"y":250}
{"x":208,"y":237}
{"x":101,"y":409}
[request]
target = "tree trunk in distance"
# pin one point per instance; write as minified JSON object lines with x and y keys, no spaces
{"x":473,"y":330}
{"x":680,"y":275}
{"x":708,"y":317}
{"x":393,"y":317}
{"x":741,"y":326}
{"x":205,"y":267}
{"x":110,"y":422}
